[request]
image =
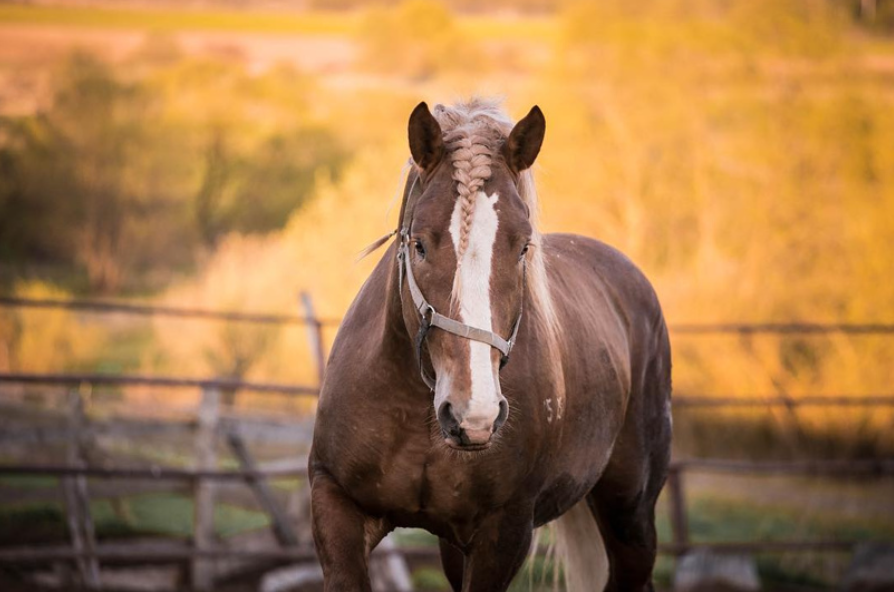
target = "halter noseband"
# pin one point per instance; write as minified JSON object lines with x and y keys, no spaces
{"x":429,"y":317}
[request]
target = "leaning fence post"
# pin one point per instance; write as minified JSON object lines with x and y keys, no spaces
{"x":282,"y":527}
{"x":206,"y":459}
{"x":315,"y":335}
{"x":77,"y":501}
{"x":678,"y":518}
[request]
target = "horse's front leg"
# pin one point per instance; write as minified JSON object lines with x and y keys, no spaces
{"x":497,"y":551}
{"x":343,"y":534}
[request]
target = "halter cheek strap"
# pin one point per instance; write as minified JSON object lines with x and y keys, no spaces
{"x":429,"y":317}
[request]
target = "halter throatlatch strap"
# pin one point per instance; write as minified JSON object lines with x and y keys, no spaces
{"x":429,"y":317}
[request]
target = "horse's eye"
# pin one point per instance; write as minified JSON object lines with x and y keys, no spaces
{"x":524,"y":252}
{"x":420,"y":250}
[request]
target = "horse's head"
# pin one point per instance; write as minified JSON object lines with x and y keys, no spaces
{"x":467,"y":244}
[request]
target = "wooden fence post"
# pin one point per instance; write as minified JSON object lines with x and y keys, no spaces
{"x":678,"y":518}
{"x":282,"y":528}
{"x":202,"y":572}
{"x":77,"y":501}
{"x":390,"y":572}
{"x":315,"y":335}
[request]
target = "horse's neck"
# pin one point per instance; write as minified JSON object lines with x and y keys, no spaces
{"x":394,"y":322}
{"x":396,"y":342}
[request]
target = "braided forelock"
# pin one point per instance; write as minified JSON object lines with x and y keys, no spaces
{"x":473,"y":132}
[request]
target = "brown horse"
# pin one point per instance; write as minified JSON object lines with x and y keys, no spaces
{"x":419,"y":424}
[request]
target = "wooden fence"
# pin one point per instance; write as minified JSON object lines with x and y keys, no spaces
{"x":205,"y":480}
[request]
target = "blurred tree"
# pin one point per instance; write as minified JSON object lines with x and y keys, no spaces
{"x":280,"y":177}
{"x":124,"y":179}
{"x":71,"y":170}
{"x":210,"y":194}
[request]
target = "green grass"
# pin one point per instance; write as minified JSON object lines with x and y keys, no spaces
{"x":29,"y":481}
{"x":172,"y":515}
{"x":157,"y":514}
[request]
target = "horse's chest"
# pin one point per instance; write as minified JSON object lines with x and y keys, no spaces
{"x":419,"y":479}
{"x":452,"y":487}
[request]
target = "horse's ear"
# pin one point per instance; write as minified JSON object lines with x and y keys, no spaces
{"x":523,"y":144}
{"x":426,"y":141}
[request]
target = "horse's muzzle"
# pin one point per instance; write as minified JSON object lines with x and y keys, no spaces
{"x":467,"y":433}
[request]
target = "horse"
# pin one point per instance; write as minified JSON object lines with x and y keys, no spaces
{"x":489,"y":379}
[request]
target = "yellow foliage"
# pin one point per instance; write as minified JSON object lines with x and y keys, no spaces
{"x":41,"y":340}
{"x":316,"y":252}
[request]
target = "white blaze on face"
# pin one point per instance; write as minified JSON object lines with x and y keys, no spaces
{"x":474,"y":304}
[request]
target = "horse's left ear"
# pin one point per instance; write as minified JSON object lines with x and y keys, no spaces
{"x":523,"y":144}
{"x":426,"y":141}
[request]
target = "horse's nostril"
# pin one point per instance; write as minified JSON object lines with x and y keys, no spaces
{"x":502,"y":415}
{"x":448,"y":421}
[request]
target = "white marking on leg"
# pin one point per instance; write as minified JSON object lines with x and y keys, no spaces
{"x":474,"y":302}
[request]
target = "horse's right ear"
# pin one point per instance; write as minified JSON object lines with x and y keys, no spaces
{"x":426,"y":141}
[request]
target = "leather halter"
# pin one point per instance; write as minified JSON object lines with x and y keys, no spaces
{"x":429,"y":317}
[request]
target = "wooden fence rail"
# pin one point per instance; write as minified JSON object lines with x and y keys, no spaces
{"x":99,"y":306}
{"x":169,"y":382}
{"x":782,"y":328}
{"x":158,"y":473}
{"x":173,"y":552}
{"x":166,"y":382}
{"x":712,"y":401}
{"x":827,"y":468}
